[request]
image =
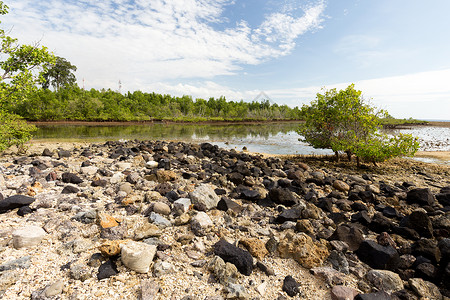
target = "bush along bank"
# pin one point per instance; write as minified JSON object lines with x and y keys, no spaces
{"x":171,"y":219}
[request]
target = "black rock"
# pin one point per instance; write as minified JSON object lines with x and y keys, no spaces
{"x":250,"y":194}
{"x":406,"y":232}
{"x":420,"y":222}
{"x":267,"y":270}
{"x":47,"y":152}
{"x":378,"y":256}
{"x":107,"y":269}
{"x":99,"y":182}
{"x":292,"y":214}
{"x":1,"y":197}
{"x":443,"y":198}
{"x":325,"y":204}
{"x":15,"y":201}
{"x":236,"y":178}
{"x":220,"y":192}
{"x":290,"y":286}
{"x":358,"y":206}
{"x":444,"y":247}
{"x":361,"y":217}
{"x":226,"y":204}
{"x":338,"y":217}
{"x":366,"y":196}
{"x":390,"y":212}
{"x":64,"y":153}
{"x":282,"y":196}
{"x":420,"y":196}
{"x":427,"y":248}
{"x":71,"y":178}
{"x":381,"y":224}
{"x":24,"y":210}
{"x":70,"y":189}
{"x":349,"y":234}
{"x":242,"y":259}
{"x":426,"y":271}
{"x":374,"y":296}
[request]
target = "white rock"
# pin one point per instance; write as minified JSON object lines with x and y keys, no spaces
{"x":202,"y":219}
{"x":152,"y":164}
{"x":137,"y":256}
{"x":182,"y":205}
{"x":116,"y":178}
{"x":262,"y":288}
{"x":89,"y":170}
{"x":27,"y":236}
{"x":204,"y":197}
{"x":123,"y":166}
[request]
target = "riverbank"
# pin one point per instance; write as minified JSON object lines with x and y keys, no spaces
{"x":163,"y":219}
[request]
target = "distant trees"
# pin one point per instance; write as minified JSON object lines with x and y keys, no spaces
{"x":344,"y":122}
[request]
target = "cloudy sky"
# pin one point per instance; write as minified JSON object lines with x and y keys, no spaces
{"x":396,"y":52}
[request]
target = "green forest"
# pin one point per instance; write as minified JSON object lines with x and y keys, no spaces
{"x":74,"y":103}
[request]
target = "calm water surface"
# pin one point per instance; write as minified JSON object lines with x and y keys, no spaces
{"x":274,"y":138}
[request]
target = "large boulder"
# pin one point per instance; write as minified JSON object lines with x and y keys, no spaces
{"x":420,"y":196}
{"x":378,"y":256}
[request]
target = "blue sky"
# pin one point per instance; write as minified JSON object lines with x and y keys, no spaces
{"x":396,"y":52}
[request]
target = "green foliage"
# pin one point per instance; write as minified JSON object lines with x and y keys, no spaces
{"x":344,"y":122}
{"x":14,"y":131}
{"x":59,"y":74}
{"x":21,"y":67}
{"x":74,"y":103}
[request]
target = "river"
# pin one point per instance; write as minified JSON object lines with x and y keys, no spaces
{"x":272,"y":138}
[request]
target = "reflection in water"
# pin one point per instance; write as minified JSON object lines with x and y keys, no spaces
{"x":274,"y":138}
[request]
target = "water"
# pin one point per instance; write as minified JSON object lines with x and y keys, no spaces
{"x":273,"y":138}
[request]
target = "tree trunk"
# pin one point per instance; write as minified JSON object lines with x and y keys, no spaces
{"x":358,"y":163}
{"x":349,"y":155}
{"x":337,"y":156}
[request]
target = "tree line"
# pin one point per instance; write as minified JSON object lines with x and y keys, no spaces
{"x":71,"y":102}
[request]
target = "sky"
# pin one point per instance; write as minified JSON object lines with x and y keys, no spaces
{"x":396,"y":52}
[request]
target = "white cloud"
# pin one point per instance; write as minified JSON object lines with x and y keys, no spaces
{"x":424,"y":95}
{"x":151,"y":41}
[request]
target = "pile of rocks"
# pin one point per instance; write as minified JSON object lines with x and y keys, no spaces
{"x":152,"y":219}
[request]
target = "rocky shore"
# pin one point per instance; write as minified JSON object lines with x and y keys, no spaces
{"x":171,"y":220}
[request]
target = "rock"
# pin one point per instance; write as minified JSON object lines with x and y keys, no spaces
{"x":341,"y":186}
{"x":339,"y":261}
{"x":47,"y":152}
{"x":282,"y":196}
{"x":99,"y":182}
{"x":377,"y":256}
{"x":54,"y":289}
{"x":330,"y":276}
{"x":137,"y":256}
{"x":181,"y":205}
{"x":302,"y":248}
{"x":149,"y":289}
{"x":79,"y":272}
{"x":161,"y":208}
{"x":427,"y":248}
{"x":292,"y":214}
{"x":159,"y":220}
{"x":161,"y":268}
{"x":70,"y":189}
{"x":266,"y":269}
{"x":290,"y":286}
{"x":147,"y":230}
{"x":106,"y":221}
{"x":340,"y":292}
{"x":113,"y":233}
{"x":20,"y":263}
{"x":305,"y":226}
{"x":420,"y":196}
{"x":107,"y":269}
{"x":151,"y":164}
{"x":348,"y":234}
{"x":89,"y":170}
{"x":374,"y":296}
{"x":425,"y":289}
{"x":27,"y":236}
{"x":240,"y":258}
{"x":202,"y":220}
{"x":71,"y":178}
{"x":420,"y":222}
{"x":226,"y":204}
{"x":385,"y":280}
{"x":64,"y":153}
{"x":204,"y":198}
{"x":14,"y":202}
{"x":225,"y":273}
{"x":111,"y":248}
{"x":166,"y":175}
{"x":256,"y":247}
